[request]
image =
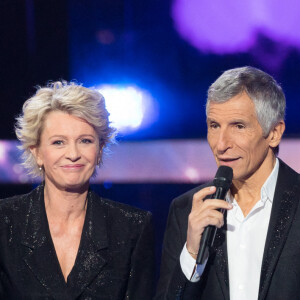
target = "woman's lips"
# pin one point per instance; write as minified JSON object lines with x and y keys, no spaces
{"x":72,"y":167}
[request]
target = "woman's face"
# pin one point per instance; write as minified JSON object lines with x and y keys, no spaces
{"x":68,"y":151}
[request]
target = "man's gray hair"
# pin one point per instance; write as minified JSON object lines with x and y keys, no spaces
{"x":263,"y":90}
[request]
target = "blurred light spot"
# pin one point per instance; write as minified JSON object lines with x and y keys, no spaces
{"x":17,"y":169}
{"x":105,"y":37}
{"x":3,"y":146}
{"x":23,"y":178}
{"x":130,"y":108}
{"x":107,"y":184}
{"x":192,"y":174}
{"x":234,"y":26}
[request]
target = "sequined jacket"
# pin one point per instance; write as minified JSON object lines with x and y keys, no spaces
{"x":280,"y":272}
{"x":115,"y":258}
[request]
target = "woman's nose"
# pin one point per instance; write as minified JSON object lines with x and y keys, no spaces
{"x":73,"y":153}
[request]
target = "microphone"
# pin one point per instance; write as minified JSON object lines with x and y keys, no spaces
{"x":222,"y":182}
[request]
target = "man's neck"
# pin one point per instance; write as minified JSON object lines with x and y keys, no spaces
{"x":248,"y":192}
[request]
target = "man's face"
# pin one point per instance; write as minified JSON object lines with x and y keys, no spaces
{"x":236,"y":138}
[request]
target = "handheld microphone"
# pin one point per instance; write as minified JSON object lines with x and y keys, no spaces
{"x":222,"y":182}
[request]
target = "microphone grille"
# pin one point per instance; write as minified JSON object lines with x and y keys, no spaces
{"x":224,"y":172}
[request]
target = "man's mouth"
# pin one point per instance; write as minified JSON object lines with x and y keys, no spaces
{"x":227,"y":159}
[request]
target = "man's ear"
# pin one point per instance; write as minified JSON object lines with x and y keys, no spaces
{"x":35,"y":152}
{"x":276,"y":133}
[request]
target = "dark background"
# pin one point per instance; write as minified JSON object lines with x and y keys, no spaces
{"x":123,"y":41}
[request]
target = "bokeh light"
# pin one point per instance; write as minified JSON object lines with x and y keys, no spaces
{"x":130,"y":107}
{"x":234,"y":26}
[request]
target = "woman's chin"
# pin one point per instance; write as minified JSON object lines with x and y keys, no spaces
{"x":72,"y":185}
{"x":76,"y":188}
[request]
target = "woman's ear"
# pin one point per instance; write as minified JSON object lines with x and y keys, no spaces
{"x":276,"y":133}
{"x":99,"y":157}
{"x":100,"y":153}
{"x":35,"y":152}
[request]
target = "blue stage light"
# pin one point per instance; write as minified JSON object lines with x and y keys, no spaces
{"x":130,"y":107}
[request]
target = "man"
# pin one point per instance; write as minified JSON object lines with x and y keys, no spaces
{"x":256,"y":252}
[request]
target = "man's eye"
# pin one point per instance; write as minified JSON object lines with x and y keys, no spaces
{"x":57,"y":142}
{"x":240,"y":126}
{"x":213,"y":126}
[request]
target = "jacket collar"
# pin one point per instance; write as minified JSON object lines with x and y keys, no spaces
{"x":39,"y":251}
{"x":92,"y":253}
{"x":285,"y":204}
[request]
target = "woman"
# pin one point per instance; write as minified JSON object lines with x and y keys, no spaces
{"x":62,"y":241}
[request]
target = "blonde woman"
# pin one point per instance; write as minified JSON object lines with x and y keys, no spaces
{"x":63,"y":241}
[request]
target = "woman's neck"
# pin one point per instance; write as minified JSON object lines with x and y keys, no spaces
{"x":64,"y":205}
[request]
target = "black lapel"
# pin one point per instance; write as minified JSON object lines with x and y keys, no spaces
{"x":221,"y":258}
{"x":93,"y":247}
{"x":284,"y":206}
{"x":39,"y":254}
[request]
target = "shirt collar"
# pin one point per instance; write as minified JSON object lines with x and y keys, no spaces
{"x":268,"y":189}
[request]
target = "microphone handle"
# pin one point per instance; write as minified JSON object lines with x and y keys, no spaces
{"x":204,"y":245}
{"x":209,"y":233}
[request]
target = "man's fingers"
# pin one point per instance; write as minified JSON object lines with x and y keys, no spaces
{"x":216,"y":204}
{"x":198,"y":222}
{"x":199,"y":196}
{"x":208,"y":217}
{"x":210,"y":204}
{"x":203,"y":214}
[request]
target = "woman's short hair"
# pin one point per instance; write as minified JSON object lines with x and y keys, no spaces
{"x":263,"y":90}
{"x":71,"y":98}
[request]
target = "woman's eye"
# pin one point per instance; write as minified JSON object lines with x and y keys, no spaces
{"x":57,"y":142}
{"x":86,"y":141}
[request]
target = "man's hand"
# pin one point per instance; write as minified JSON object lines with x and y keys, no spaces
{"x":203,"y":213}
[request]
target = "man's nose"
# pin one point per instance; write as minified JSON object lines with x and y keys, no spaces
{"x":224,"y":141}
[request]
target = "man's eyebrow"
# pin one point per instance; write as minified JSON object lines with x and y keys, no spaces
{"x":238,"y":121}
